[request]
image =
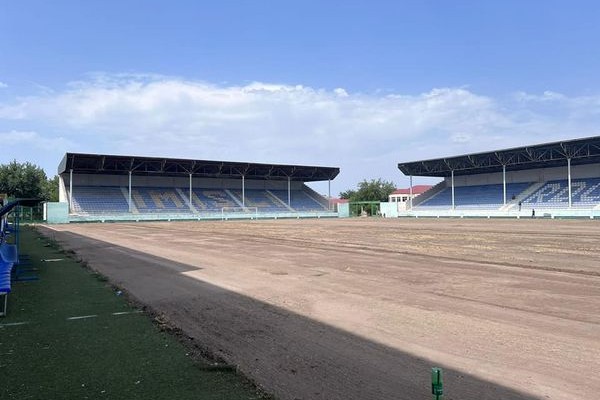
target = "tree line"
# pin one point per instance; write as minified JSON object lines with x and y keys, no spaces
{"x":27,"y":180}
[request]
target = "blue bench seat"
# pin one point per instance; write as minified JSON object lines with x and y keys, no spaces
{"x":5,"y":284}
{"x":8,"y":257}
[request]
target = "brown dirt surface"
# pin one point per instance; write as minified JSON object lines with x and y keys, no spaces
{"x":363,"y":308}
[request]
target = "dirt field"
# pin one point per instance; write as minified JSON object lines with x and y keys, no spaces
{"x":362,"y":309}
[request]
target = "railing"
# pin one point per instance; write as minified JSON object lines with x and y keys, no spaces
{"x":590,"y":213}
{"x":200,"y":216}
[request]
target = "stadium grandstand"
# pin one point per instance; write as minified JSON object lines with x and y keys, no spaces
{"x":559,"y":179}
{"x":94,"y":187}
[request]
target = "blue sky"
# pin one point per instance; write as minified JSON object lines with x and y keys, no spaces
{"x":360,"y":85}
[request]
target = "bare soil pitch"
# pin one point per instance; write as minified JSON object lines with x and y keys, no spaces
{"x":362,"y":309}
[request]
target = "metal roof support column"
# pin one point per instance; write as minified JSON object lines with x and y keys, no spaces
{"x":129,"y":193}
{"x":191,"y":189}
{"x":289,"y":193}
{"x":504,"y":182}
{"x":411,"y":192}
{"x":243,"y":191}
{"x":569,"y":178}
{"x":71,"y":190}
{"x":452,"y":172}
{"x":329,"y":194}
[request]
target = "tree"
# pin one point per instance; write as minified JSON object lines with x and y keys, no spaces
{"x":348,"y":194}
{"x":373,"y":190}
{"x":51,"y":189}
{"x":24,"y":180}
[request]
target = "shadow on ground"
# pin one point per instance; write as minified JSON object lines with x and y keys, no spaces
{"x":291,"y":356}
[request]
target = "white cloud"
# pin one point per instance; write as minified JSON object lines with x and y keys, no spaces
{"x":31,"y":139}
{"x":3,"y":85}
{"x":544,"y":97}
{"x":461,"y":137}
{"x":365,"y":134}
{"x":340,"y":92}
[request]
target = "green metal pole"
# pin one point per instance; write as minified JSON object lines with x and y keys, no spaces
{"x":437,"y":384}
{"x":16,"y":227}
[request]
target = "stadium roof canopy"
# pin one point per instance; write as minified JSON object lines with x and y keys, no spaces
{"x":159,"y":166}
{"x":555,"y":154}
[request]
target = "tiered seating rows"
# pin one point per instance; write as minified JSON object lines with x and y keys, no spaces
{"x":92,"y":200}
{"x":261,"y":199}
{"x":104,"y":199}
{"x":299,"y":200}
{"x":479,"y":196}
{"x":212,"y":200}
{"x":161,"y":200}
{"x":585,"y":193}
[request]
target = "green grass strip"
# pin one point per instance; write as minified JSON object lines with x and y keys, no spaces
{"x":109,"y":350}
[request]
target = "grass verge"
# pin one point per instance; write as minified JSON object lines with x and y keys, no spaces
{"x":69,"y":335}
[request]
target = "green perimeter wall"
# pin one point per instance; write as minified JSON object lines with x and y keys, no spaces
{"x":343,"y":210}
{"x":390,"y":210}
{"x":57,"y":213}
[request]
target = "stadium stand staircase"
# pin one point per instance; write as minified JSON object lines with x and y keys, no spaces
{"x":316,"y":196}
{"x":237,"y":200}
{"x":300,"y":200}
{"x":531,"y":189}
{"x":277,"y":199}
{"x":125,"y":192}
{"x":260,"y":199}
{"x":187,"y":200}
{"x":434,"y":190}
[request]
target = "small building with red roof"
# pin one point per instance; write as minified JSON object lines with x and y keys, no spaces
{"x":403,"y":196}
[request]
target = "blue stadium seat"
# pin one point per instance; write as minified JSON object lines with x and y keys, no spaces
{"x":99,"y":200}
{"x":585,"y":193}
{"x":212,"y":200}
{"x":300,"y":200}
{"x":474,"y":197}
{"x":158,"y":200}
{"x":261,"y":199}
